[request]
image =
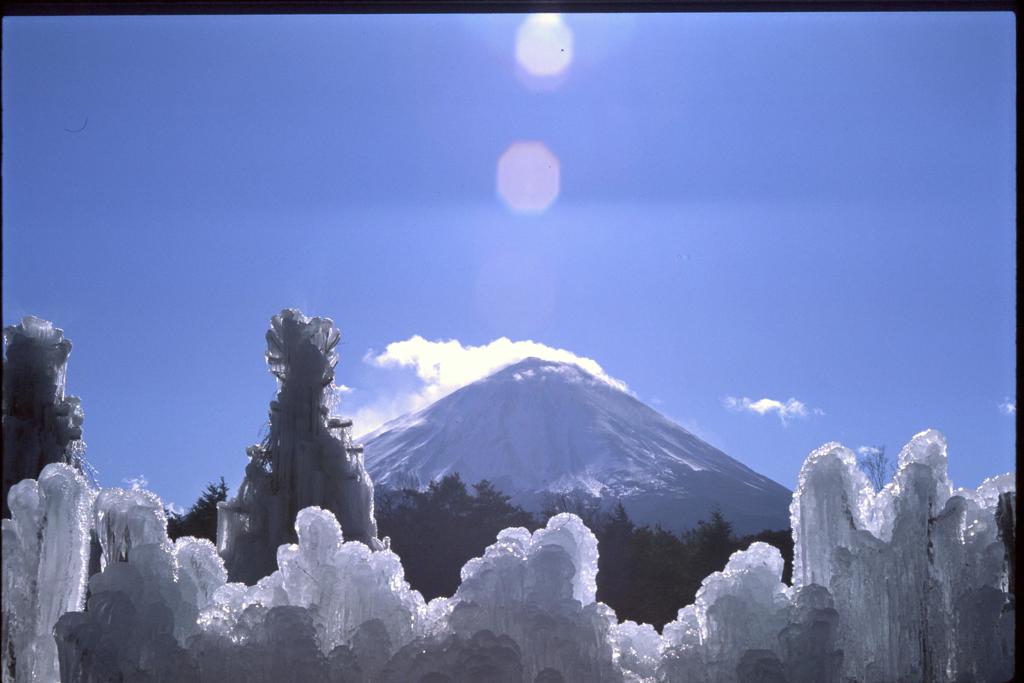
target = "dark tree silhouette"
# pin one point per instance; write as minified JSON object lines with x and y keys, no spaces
{"x":437,"y":531}
{"x":616,"y":560}
{"x":200,"y":520}
{"x":646,"y":574}
{"x":586,"y":507}
{"x":711,"y":542}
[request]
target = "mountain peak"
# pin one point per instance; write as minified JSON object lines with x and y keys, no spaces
{"x":539,"y":369}
{"x":533,"y":366}
{"x":541,"y":426}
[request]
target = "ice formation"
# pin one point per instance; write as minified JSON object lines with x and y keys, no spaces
{"x":307,"y":459}
{"x":41,"y":425}
{"x":336,"y":610}
{"x":45,"y":567}
{"x":746,"y":625}
{"x":913,"y":583}
{"x":125,"y":519}
{"x":920,"y":574}
{"x":539,"y":589}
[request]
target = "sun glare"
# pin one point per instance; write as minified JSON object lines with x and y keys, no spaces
{"x":528,"y":177}
{"x":544,"y":45}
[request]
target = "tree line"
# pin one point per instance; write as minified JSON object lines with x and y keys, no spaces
{"x":645,"y":573}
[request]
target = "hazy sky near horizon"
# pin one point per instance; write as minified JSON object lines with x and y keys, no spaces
{"x":777,"y":229}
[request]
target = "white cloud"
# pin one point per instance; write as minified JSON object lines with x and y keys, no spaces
{"x":784,"y":409}
{"x":174,"y":508}
{"x":139,"y":482}
{"x":865,"y":451}
{"x":445,"y":366}
{"x":1008,"y":406}
{"x":448,"y":365}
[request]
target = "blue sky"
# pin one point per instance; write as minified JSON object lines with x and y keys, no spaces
{"x":816,"y":207}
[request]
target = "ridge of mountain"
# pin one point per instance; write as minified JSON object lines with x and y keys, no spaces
{"x":538,"y":427}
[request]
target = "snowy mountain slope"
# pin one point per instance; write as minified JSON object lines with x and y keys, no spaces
{"x":539,"y":426}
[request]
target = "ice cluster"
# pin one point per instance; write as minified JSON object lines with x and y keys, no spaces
{"x":920,"y":574}
{"x":336,"y":610}
{"x":307,"y":459}
{"x":45,"y":567}
{"x":40,"y":424}
{"x":912,"y":583}
{"x":909,"y":584}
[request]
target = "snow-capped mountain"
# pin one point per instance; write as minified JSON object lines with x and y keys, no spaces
{"x":541,"y":426}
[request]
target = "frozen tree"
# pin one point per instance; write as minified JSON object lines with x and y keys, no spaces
{"x":40,"y":424}
{"x":307,"y":459}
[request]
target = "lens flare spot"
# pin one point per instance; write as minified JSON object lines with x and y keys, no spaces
{"x":544,"y":45}
{"x":528,"y":177}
